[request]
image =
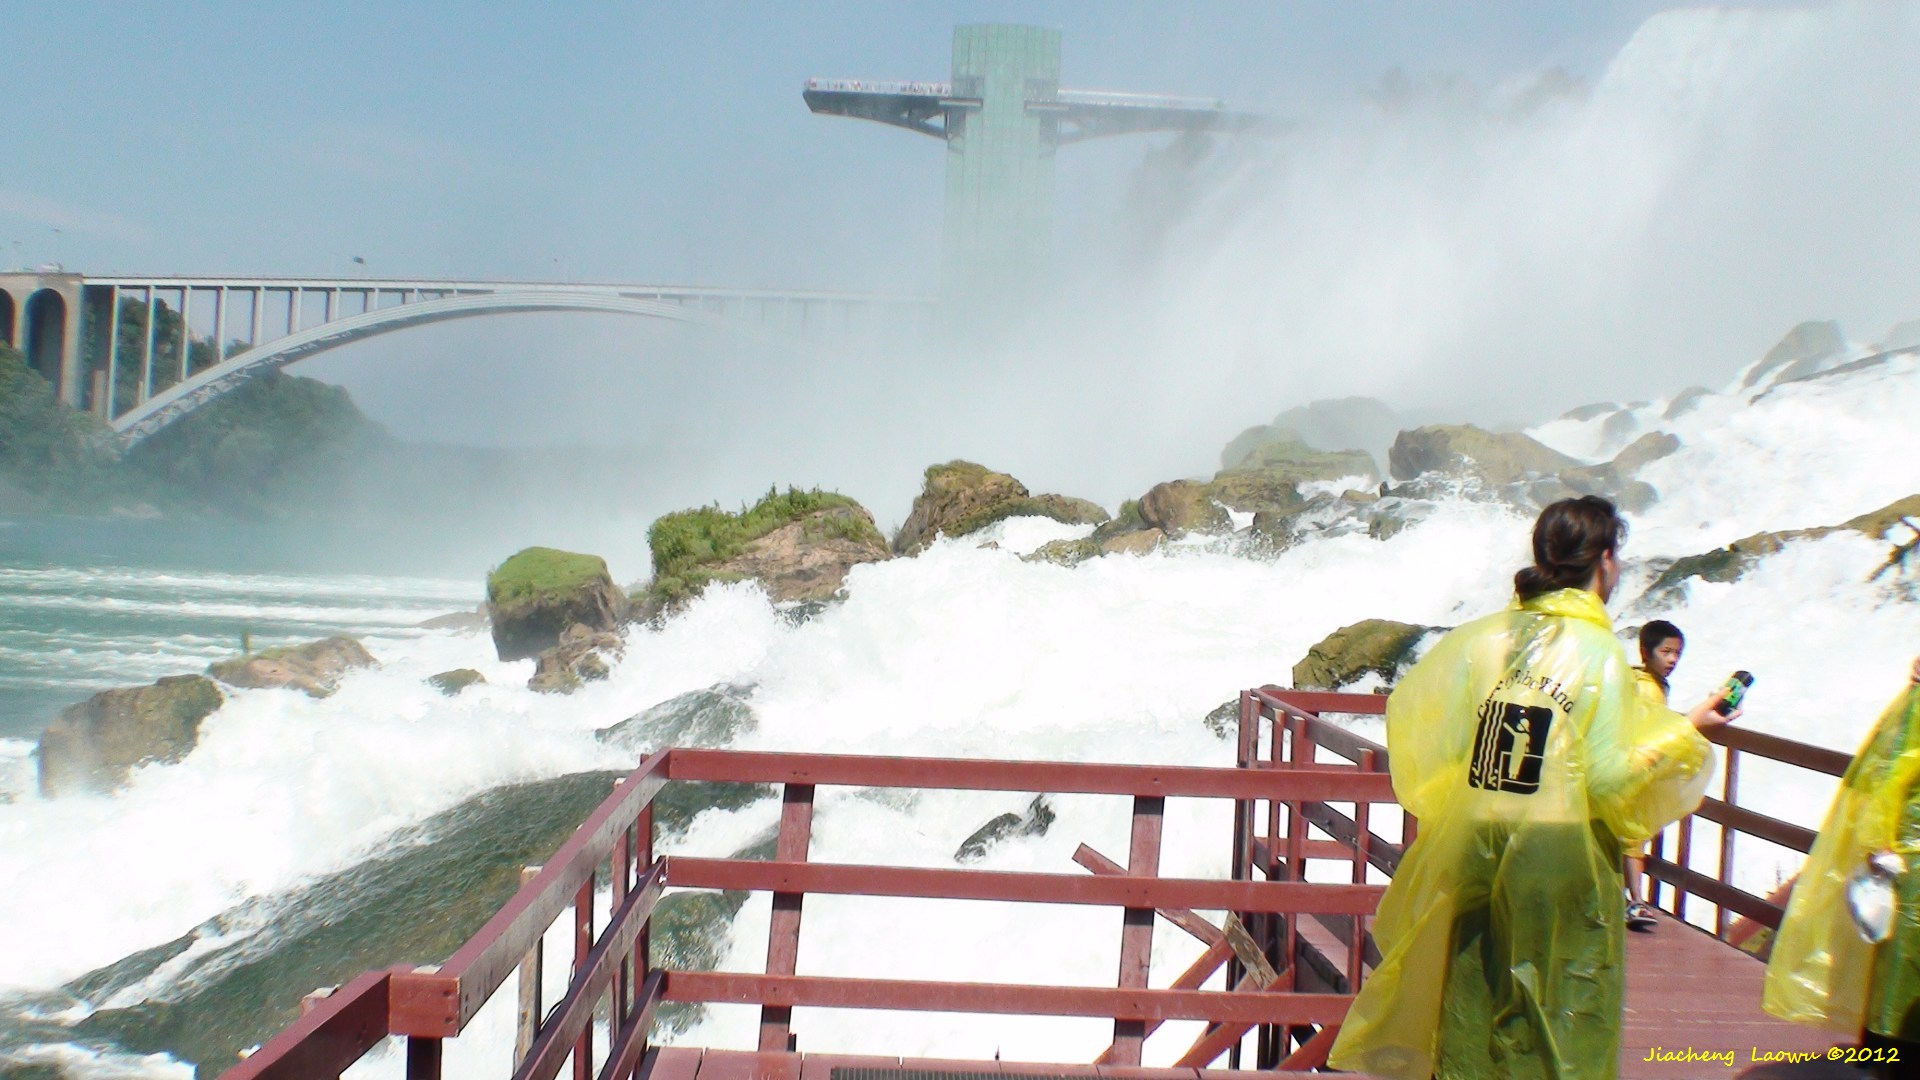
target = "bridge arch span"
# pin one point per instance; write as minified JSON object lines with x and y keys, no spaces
{"x":206,"y":386}
{"x":44,"y":337}
{"x":9,"y":314}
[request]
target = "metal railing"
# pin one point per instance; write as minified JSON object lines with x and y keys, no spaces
{"x":612,"y":972}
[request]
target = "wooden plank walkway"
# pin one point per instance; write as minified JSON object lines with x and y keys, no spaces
{"x":1688,"y":990}
{"x":689,"y":1063}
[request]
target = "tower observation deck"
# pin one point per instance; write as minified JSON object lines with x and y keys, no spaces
{"x":1002,"y":115}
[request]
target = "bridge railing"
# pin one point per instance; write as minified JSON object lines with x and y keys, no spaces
{"x":613,"y":976}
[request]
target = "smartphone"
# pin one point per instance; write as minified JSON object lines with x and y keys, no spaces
{"x":1736,"y":692}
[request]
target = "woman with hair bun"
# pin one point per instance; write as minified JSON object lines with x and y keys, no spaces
{"x":1523,"y":748}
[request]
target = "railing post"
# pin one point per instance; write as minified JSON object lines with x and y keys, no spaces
{"x":527,"y":1022}
{"x":582,"y":945}
{"x":1730,"y":786}
{"x":423,"y":1058}
{"x":1136,"y":928}
{"x":783,"y":933}
{"x":1362,"y":823}
{"x":618,"y":868}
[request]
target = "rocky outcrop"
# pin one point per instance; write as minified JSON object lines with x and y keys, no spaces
{"x":539,"y":593}
{"x":95,"y":745}
{"x":314,"y":668}
{"x":581,"y":656}
{"x":1034,"y":821}
{"x":1380,"y":647}
{"x":808,"y":559}
{"x":1732,"y":562}
{"x":961,"y":497}
{"x":1495,"y":458}
{"x":1178,"y":507}
{"x":452,"y":682}
{"x":798,"y":545}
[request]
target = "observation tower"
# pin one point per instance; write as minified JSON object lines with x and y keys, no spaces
{"x":1002,"y":114}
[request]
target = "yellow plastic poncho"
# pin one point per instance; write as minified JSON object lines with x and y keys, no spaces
{"x":1522,"y":745}
{"x":1822,"y":971}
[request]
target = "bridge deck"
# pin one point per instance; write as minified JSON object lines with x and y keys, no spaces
{"x":1687,"y":989}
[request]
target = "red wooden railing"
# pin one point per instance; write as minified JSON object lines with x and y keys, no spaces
{"x":612,"y":974}
{"x":1738,"y":915}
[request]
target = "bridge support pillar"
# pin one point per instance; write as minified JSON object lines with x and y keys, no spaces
{"x":47,"y":322}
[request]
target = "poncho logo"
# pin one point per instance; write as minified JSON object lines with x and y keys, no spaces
{"x":1510,"y":747}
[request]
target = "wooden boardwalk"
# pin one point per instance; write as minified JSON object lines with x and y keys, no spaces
{"x":1687,"y":989}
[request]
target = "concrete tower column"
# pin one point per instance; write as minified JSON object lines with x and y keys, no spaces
{"x":1002,"y":132}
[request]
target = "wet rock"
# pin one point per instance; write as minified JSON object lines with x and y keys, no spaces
{"x":961,"y":497}
{"x":1644,"y":450}
{"x":1591,"y":412}
{"x":1380,"y":647}
{"x":1224,"y":720}
{"x":1065,"y":552}
{"x":711,"y":717}
{"x":1495,"y":458}
{"x":1802,"y":352}
{"x":452,"y":682}
{"x":1035,"y":821}
{"x":1686,"y":401}
{"x":579,"y":658}
{"x":93,"y":746}
{"x":539,"y":593}
{"x":1732,"y":562}
{"x":1178,"y":507}
{"x":1132,"y":543}
{"x":314,"y":668}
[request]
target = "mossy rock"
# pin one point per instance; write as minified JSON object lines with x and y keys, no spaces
{"x":798,"y":544}
{"x":95,"y":745}
{"x":1380,"y":647}
{"x":961,"y":497}
{"x":452,"y":682}
{"x":1255,"y":491}
{"x":539,"y":593}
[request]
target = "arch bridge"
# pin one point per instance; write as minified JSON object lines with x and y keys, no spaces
{"x":142,"y":352}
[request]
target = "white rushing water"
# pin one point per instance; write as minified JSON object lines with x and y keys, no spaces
{"x":968,"y":651}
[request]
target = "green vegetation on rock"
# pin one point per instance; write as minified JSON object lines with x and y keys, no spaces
{"x":688,"y":545}
{"x":539,"y":593}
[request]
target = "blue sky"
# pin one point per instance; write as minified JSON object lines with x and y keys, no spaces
{"x":611,"y":141}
